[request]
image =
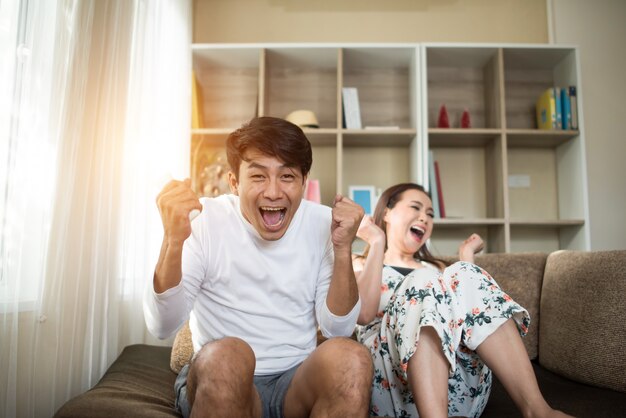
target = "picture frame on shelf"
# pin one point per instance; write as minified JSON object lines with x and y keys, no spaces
{"x":365,"y":196}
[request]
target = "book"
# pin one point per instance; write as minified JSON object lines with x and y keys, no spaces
{"x":559,"y":108}
{"x":351,"y":110}
{"x":196,"y":104}
{"x":546,"y":110}
{"x":432,"y":184}
{"x":442,"y":207}
{"x":573,"y":107}
{"x":565,"y":106}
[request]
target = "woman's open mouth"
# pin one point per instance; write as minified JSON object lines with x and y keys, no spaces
{"x":417,"y":232}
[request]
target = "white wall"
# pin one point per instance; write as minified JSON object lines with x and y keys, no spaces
{"x":599,"y":29}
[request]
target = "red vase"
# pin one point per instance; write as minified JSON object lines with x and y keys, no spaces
{"x":443,"y":121}
{"x":465,"y":119}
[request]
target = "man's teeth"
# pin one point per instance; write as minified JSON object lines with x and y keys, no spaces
{"x":272,"y":209}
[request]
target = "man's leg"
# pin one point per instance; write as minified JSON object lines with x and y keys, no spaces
{"x":220,"y":380}
{"x":334,"y":381}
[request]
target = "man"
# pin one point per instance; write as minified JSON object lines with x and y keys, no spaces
{"x":258,"y":272}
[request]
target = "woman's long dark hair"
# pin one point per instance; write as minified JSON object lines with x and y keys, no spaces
{"x":388,"y":200}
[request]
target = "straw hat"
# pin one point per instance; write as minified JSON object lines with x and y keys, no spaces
{"x":303,"y":118}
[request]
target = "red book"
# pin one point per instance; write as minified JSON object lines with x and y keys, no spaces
{"x":442,"y":208}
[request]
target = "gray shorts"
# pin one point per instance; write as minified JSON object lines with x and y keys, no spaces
{"x":272,"y":389}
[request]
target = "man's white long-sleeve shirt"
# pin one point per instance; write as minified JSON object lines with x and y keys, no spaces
{"x":271,"y":294}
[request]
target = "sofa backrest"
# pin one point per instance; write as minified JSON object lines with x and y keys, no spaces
{"x":582,"y":334}
{"x":520,"y":275}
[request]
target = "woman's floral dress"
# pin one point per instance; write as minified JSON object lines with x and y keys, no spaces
{"x":464,"y":305}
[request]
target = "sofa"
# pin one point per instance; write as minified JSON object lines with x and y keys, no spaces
{"x":576,"y":342}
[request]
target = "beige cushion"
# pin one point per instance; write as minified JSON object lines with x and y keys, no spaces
{"x":520,"y":275}
{"x":182,"y":350}
{"x":583,"y":317}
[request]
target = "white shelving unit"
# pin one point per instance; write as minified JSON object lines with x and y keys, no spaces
{"x":403,"y":86}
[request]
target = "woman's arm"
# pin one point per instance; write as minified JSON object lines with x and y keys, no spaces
{"x":469,"y":247}
{"x":369,"y":271}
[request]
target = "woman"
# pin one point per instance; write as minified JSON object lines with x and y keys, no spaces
{"x":435,"y":333}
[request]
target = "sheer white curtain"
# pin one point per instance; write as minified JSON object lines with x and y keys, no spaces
{"x":94,"y":114}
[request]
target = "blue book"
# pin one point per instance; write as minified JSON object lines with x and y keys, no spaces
{"x":566,"y":108}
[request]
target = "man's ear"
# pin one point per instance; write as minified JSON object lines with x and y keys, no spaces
{"x":233,"y":183}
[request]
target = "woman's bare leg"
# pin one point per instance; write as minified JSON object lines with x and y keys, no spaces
{"x":504,"y":353}
{"x":428,"y":375}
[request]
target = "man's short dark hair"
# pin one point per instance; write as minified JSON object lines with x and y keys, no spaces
{"x":271,"y":136}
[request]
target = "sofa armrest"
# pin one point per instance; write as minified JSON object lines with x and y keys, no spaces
{"x":583,"y":316}
{"x":138,"y":384}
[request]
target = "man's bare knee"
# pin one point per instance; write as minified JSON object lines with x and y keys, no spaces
{"x":351,"y":362}
{"x":221,"y":369}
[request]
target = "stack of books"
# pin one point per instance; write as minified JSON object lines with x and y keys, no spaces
{"x":557,"y":108}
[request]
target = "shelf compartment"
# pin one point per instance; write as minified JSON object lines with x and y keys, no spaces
{"x":536,"y":138}
{"x":555,"y":223}
{"x":451,"y":137}
{"x":548,"y":236}
{"x":302,"y":78}
{"x":321,"y":137}
{"x":385,"y":79}
{"x":446,"y":240}
{"x":379,"y":166}
{"x":538,"y":200}
{"x":208,"y":164}
{"x":528,"y":72}
{"x":464,"y":78}
{"x":465,"y":222}
{"x":228,"y":85}
{"x":324,"y":169}
{"x":377,"y":138}
{"x":471,"y":175}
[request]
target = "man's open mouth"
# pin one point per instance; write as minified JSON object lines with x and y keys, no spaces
{"x":272,"y":216}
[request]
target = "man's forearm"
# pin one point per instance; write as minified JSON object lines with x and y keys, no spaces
{"x":343,"y":292}
{"x":168,"y":270}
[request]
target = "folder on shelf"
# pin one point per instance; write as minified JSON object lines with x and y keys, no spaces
{"x":351,"y":110}
{"x":546,"y":109}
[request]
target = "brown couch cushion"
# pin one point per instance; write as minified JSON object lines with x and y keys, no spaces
{"x":583,"y":316}
{"x":139,"y":384}
{"x":182,"y":349}
{"x":520,"y":275}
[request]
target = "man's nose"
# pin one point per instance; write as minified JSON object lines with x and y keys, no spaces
{"x":273,"y":189}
